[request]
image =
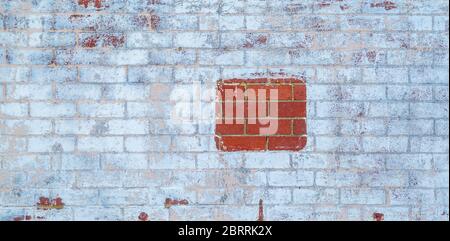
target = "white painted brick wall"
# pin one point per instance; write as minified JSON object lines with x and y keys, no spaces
{"x":86,"y":97}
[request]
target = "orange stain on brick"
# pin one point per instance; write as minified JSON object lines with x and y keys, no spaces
{"x":261,"y":211}
{"x":378,"y":217}
{"x":175,"y":202}
{"x":46,"y":204}
{"x":90,"y":42}
{"x":22,"y":218}
{"x":85,"y":3}
{"x":387,"y":5}
{"x":103,"y":40}
{"x":143,"y":216}
{"x":155,"y":20}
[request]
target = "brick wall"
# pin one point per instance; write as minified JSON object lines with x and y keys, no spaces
{"x":89,"y":92}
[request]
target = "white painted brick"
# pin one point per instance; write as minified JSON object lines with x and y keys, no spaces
{"x":386,"y":179}
{"x":79,"y":162}
{"x":409,"y":161}
{"x":103,"y":75}
{"x":212,"y":160}
{"x":29,"y":92}
{"x":298,"y":178}
{"x":149,"y":40}
{"x":111,"y":197}
{"x":429,"y":179}
{"x":270,"y":196}
{"x":39,"y":109}
{"x":196,"y":40}
{"x":89,"y":117}
{"x":27,"y":162}
{"x":49,"y":144}
{"x":263,"y":160}
{"x":316,"y":196}
{"x":363,"y":196}
{"x":385,"y":144}
{"x":124,"y":161}
{"x":442,"y":127}
{"x":430,"y":144}
{"x":411,"y":196}
{"x":100,"y":144}
{"x":127,"y":127}
{"x":190,"y":144}
{"x":12,"y":144}
{"x":144,"y":144}
{"x":338,"y":144}
{"x":101,"y":110}
{"x":171,"y":161}
{"x":148,"y":109}
{"x":78,"y":92}
{"x":410,"y":127}
{"x":315,"y":161}
{"x":14,"y":74}
{"x":26,"y":127}
{"x":13,"y":109}
{"x":337,"y":179}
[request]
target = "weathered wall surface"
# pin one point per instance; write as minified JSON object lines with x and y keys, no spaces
{"x":88,"y":89}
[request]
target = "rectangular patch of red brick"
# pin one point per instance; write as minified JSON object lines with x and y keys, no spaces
{"x":273,"y":123}
{"x":241,"y":143}
{"x":293,"y":143}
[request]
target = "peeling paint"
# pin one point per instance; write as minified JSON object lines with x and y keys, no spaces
{"x":175,"y":202}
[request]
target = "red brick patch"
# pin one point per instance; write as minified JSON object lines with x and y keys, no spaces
{"x":378,"y":217}
{"x":143,"y":216}
{"x":46,"y":204}
{"x":261,"y":114}
{"x":175,"y":202}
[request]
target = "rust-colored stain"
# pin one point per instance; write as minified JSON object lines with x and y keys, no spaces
{"x":378,"y":217}
{"x":175,"y":202}
{"x":255,"y":40}
{"x":155,"y":20}
{"x":46,"y":204}
{"x":387,"y":5}
{"x":143,"y":216}
{"x":90,"y":42}
{"x":328,"y":3}
{"x":261,"y":211}
{"x":105,"y":40}
{"x":22,"y":218}
{"x":85,"y":3}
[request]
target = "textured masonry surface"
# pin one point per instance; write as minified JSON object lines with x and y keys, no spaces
{"x":261,"y":114}
{"x":88,"y":89}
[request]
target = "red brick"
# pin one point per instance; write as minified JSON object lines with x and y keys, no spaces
{"x":230,"y":129}
{"x":241,"y":143}
{"x":258,"y":80}
{"x":299,"y":92}
{"x":284,"y":91}
{"x":284,"y":128}
{"x":292,"y":143}
{"x":299,"y":127}
{"x":248,"y":137}
{"x":222,"y":88}
{"x":287,"y":81}
{"x":292,"y":109}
